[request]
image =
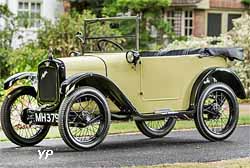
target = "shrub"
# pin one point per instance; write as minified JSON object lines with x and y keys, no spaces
{"x":4,"y":68}
{"x":247,"y":2}
{"x":25,"y":59}
{"x":61,"y":35}
{"x":151,"y":12}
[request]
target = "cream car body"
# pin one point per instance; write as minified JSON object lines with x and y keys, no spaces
{"x":154,"y":83}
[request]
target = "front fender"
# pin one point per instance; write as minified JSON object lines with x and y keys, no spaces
{"x":223,"y":75}
{"x":32,"y":76}
{"x":103,"y":84}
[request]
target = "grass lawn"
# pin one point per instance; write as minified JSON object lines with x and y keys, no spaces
{"x":237,"y":163}
{"x":130,"y":127}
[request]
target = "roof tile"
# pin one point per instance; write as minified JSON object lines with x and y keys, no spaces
{"x":185,"y":2}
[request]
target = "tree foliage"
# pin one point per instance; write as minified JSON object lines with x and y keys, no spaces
{"x":61,"y":35}
{"x":152,"y":13}
{"x":247,"y":2}
{"x":115,"y":6}
{"x":95,"y":6}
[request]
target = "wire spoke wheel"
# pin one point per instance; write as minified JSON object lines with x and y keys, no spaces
{"x":12,"y":117}
{"x":156,"y":125}
{"x":156,"y":128}
{"x":84,"y":118}
{"x":217,"y":112}
{"x":86,"y":109}
{"x":26,"y":131}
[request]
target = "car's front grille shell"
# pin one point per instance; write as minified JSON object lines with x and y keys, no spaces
{"x":47,"y":85}
{"x":48,"y":82}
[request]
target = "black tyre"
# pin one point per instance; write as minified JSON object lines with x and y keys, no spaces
{"x":217,"y":112}
{"x":157,"y":128}
{"x":18,"y":132}
{"x":84,"y":118}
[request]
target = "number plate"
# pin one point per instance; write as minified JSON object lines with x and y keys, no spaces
{"x":46,"y":117}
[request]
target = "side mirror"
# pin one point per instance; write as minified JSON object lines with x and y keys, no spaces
{"x":132,"y":57}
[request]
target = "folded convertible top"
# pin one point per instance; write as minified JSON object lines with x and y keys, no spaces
{"x":231,"y":53}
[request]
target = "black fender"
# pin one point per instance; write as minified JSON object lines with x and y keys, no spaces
{"x":32,"y":76}
{"x":103,"y":84}
{"x":223,"y":75}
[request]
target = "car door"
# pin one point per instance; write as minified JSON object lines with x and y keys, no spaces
{"x":163,"y":77}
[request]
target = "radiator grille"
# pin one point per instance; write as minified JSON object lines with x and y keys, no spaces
{"x":48,"y":84}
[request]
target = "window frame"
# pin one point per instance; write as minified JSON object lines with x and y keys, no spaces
{"x":31,"y":24}
{"x":225,"y":14}
{"x":240,"y":15}
{"x":170,"y":19}
{"x":184,"y":19}
{"x":221,"y":24}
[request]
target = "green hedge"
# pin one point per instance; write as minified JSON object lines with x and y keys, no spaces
{"x":246,"y":2}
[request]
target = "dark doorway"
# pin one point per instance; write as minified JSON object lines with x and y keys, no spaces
{"x":214,"y":24}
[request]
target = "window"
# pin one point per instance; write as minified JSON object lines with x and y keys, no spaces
{"x":214,"y":24}
{"x":29,"y":14}
{"x":170,"y":17}
{"x":230,"y":19}
{"x":188,"y":23}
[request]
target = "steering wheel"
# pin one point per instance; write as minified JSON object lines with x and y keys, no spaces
{"x":108,"y":41}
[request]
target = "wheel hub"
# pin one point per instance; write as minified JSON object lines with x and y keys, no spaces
{"x":24,"y":116}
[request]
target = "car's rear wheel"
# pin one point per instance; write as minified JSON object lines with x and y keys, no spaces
{"x":20,"y":133}
{"x":217,"y":112}
{"x":84,"y":118}
{"x":156,"y":128}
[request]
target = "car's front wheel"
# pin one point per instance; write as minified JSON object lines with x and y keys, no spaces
{"x":157,"y":128}
{"x":13,"y":124}
{"x":217,"y":112}
{"x":84,"y":118}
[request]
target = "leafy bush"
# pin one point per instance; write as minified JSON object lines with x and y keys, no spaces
{"x":246,"y":2}
{"x":26,"y":59}
{"x":61,"y":35}
{"x":4,"y":68}
{"x":239,"y":36}
{"x":152,"y":13}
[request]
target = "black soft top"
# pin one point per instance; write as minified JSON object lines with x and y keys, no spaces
{"x":231,"y":53}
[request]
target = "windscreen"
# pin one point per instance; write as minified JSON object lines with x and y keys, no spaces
{"x":111,"y":35}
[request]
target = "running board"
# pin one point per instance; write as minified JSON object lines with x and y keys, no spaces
{"x":164,"y":113}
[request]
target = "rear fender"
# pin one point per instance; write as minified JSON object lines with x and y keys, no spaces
{"x":223,"y":75}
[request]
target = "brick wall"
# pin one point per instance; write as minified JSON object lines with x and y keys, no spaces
{"x":229,"y":4}
{"x":199,"y":23}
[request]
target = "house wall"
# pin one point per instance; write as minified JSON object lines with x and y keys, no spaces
{"x":50,"y":9}
{"x":201,"y":12}
{"x":229,"y":4}
{"x":2,"y":21}
{"x":199,"y":23}
{"x":224,"y":14}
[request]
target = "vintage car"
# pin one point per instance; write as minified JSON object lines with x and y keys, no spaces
{"x":83,"y":93}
